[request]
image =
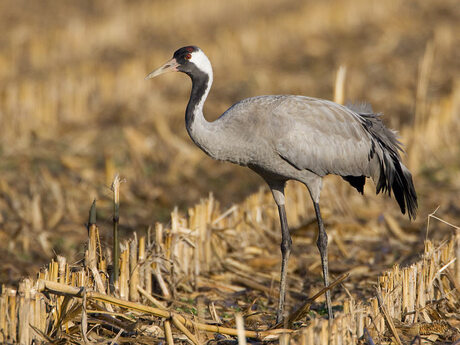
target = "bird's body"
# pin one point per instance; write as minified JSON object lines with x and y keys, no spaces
{"x":287,"y":137}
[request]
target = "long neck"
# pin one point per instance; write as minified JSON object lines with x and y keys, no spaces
{"x":201,"y":84}
{"x":198,"y":127}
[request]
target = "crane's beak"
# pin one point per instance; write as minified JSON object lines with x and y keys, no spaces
{"x":170,"y":66}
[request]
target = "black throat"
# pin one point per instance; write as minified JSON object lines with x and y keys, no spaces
{"x":200,"y":82}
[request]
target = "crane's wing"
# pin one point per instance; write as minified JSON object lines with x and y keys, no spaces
{"x":323,"y":137}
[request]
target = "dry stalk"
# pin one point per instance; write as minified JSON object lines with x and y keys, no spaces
{"x":240,"y":328}
{"x":3,"y":315}
{"x":305,"y":307}
{"x":152,"y":299}
{"x":41,"y":334}
{"x":61,"y":289}
{"x":91,"y":259}
{"x":425,"y":67}
{"x":134,"y":270}
{"x":184,"y":330}
{"x":115,"y":340}
{"x":168,"y":332}
{"x":397,"y":231}
{"x":84,"y":318}
{"x":161,"y":281}
{"x":420,"y":120}
{"x":124,"y":272}
{"x":141,"y":261}
{"x":100,"y":285}
{"x":341,"y":246}
{"x":213,"y":312}
{"x":93,"y":243}
{"x":339,"y":89}
{"x":24,"y":311}
{"x":116,"y":218}
{"x":387,"y":316}
{"x":254,"y":285}
{"x":12,"y":314}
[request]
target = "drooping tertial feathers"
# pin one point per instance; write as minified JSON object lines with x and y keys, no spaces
{"x":393,"y":175}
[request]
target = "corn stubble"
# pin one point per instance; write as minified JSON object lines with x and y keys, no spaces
{"x":74,"y":303}
{"x":75,"y":110}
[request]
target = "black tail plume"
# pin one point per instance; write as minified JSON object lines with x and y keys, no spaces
{"x":393,"y":174}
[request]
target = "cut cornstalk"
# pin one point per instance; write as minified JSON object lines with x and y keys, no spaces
{"x":116,"y":218}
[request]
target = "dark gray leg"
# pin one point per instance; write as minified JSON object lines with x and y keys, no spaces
{"x":286,"y":244}
{"x":322,"y":246}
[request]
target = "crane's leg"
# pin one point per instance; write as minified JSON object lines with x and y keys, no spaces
{"x":322,"y":246}
{"x":286,"y":244}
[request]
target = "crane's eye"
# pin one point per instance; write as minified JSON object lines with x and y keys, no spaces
{"x":188,"y":56}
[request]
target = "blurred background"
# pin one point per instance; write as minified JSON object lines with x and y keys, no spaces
{"x":75,"y":108}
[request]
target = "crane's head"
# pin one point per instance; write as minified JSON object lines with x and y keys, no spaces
{"x":190,"y":60}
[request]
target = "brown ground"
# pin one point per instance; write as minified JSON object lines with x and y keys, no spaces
{"x":75,"y":109}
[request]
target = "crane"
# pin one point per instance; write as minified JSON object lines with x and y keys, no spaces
{"x":289,"y":137}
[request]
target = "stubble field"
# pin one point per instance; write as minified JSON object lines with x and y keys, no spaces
{"x":75,"y":110}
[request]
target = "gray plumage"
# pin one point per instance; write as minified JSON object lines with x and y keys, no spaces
{"x":304,"y":139}
{"x":287,"y":137}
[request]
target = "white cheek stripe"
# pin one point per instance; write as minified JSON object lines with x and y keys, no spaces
{"x":202,"y":62}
